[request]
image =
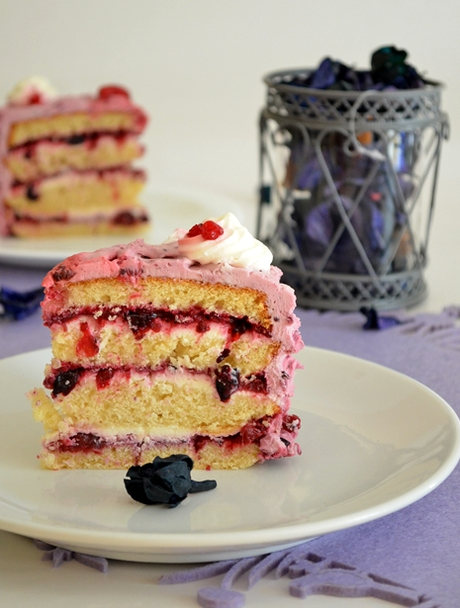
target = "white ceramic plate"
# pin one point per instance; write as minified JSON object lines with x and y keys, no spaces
{"x":170,"y":208}
{"x":373,"y":442}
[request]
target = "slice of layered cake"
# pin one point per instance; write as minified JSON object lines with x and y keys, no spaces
{"x":66,"y":163}
{"x":182,"y":348}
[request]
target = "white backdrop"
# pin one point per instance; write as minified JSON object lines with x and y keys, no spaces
{"x":197,"y":67}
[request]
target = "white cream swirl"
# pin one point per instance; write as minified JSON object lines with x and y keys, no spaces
{"x":236,"y":247}
{"x":33,"y":90}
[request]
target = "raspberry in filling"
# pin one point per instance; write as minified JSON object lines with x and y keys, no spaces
{"x":87,"y":345}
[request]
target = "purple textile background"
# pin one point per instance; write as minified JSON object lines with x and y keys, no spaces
{"x":418,"y":546}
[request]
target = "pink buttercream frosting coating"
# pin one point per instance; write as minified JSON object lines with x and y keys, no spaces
{"x":140,"y":260}
{"x":136,"y":260}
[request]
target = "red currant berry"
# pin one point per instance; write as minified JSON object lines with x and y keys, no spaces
{"x":211,"y":230}
{"x":195,"y":230}
{"x":108,"y":91}
{"x":34,"y":98}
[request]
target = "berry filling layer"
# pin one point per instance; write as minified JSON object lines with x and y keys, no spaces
{"x":153,"y":339}
{"x":169,"y":403}
{"x":142,"y":319}
{"x":274,"y":437}
{"x":79,"y":152}
{"x":77,"y":193}
{"x":227,"y":380}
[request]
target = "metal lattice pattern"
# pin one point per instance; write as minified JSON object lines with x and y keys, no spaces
{"x":351,"y":179}
{"x":370,"y":108}
{"x":349,"y":293}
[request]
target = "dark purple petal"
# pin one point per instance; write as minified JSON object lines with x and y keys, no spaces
{"x":388,"y":66}
{"x":19,"y":305}
{"x":324,"y":76}
{"x":375,"y":321}
{"x":388,"y":70}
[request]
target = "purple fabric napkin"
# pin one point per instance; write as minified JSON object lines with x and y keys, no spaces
{"x":418,"y":546}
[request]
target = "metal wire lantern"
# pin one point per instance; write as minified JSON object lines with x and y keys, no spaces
{"x":347,"y":190}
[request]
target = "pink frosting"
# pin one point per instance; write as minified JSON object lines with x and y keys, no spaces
{"x":11,"y":114}
{"x":136,"y":260}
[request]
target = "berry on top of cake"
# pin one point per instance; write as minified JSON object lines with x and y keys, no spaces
{"x":66,"y":163}
{"x":182,"y":348}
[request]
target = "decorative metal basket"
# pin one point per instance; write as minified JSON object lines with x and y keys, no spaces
{"x":347,"y":190}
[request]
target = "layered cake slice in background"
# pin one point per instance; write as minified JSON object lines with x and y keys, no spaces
{"x":66,"y":163}
{"x":186,"y":347}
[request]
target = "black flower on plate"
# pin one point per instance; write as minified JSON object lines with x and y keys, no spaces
{"x":164,"y":481}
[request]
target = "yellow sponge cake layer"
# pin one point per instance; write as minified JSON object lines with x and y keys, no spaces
{"x":122,"y":455}
{"x":77,"y":194}
{"x":168,"y":403}
{"x":66,"y":125}
{"x":50,"y":157}
{"x":115,"y":344}
{"x":167,"y":293}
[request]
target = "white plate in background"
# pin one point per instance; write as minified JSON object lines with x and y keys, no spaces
{"x":170,"y":208}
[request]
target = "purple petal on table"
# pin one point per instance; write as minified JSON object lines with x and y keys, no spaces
{"x":58,"y":555}
{"x":213,"y":597}
{"x":19,"y":305}
{"x":200,"y":573}
{"x":375,"y":321}
{"x":312,"y":575}
{"x":92,"y":561}
{"x":453,"y":311}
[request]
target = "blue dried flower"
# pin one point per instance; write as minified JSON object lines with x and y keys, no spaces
{"x":19,"y":305}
